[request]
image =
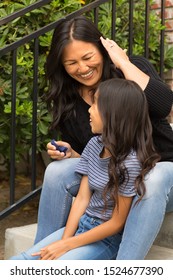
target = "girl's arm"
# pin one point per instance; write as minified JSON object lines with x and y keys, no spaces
{"x":78,"y":208}
{"x":108,"y":228}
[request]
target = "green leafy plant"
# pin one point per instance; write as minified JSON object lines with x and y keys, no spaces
{"x":32,"y":21}
{"x":10,"y":33}
{"x":122,"y":30}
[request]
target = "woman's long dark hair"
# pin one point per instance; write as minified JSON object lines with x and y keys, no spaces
{"x":63,"y":89}
{"x":126,"y":126}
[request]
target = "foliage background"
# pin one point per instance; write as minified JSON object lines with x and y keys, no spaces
{"x":32,"y":21}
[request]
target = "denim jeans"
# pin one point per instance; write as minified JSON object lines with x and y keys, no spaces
{"x":61,"y":183}
{"x":105,"y":249}
{"x":144,"y":220}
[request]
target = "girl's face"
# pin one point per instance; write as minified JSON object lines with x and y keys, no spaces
{"x":95,"y":118}
{"x":83,"y":62}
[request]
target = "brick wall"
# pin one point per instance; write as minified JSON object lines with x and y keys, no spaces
{"x":168,"y":17}
{"x":169,"y":34}
{"x":168,"y":31}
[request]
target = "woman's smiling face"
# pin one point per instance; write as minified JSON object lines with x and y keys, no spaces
{"x":83,"y":62}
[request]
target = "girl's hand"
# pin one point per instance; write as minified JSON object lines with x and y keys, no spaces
{"x":55,"y":154}
{"x":53,"y":251}
{"x":117,"y":54}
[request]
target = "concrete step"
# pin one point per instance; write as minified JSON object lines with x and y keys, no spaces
{"x":159,"y":253}
{"x":18,"y":239}
{"x":165,"y":236}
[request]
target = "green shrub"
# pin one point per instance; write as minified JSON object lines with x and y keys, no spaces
{"x":24,"y":102}
{"x":33,"y":21}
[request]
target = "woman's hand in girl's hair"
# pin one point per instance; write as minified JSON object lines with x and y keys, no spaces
{"x":121,"y":61}
{"x":56,"y":154}
{"x":117,"y":54}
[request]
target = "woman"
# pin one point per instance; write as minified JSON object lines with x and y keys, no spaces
{"x":113,"y":166}
{"x":79,"y":59}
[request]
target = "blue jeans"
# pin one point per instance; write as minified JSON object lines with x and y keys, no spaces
{"x":61,"y":183}
{"x":105,"y":249}
{"x":144,"y":220}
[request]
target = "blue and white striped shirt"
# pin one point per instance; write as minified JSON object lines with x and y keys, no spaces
{"x":96,"y":168}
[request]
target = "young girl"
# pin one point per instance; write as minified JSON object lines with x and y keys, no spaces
{"x":113,"y":166}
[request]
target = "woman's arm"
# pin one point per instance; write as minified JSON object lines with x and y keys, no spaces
{"x":140,"y":70}
{"x":158,"y":94}
{"x":108,"y":228}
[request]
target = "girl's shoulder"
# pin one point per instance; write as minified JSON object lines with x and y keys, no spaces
{"x":94,"y":145}
{"x":95,"y":141}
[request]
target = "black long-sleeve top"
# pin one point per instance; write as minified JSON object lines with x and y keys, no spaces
{"x":77,"y":132}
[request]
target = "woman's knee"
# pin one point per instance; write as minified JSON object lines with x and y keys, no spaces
{"x":61,"y":167}
{"x":159,"y":180}
{"x":61,"y":173}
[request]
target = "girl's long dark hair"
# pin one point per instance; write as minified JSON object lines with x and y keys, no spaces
{"x":63,"y":89}
{"x":126,"y":126}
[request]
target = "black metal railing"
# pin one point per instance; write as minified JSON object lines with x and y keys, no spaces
{"x":34,"y":36}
